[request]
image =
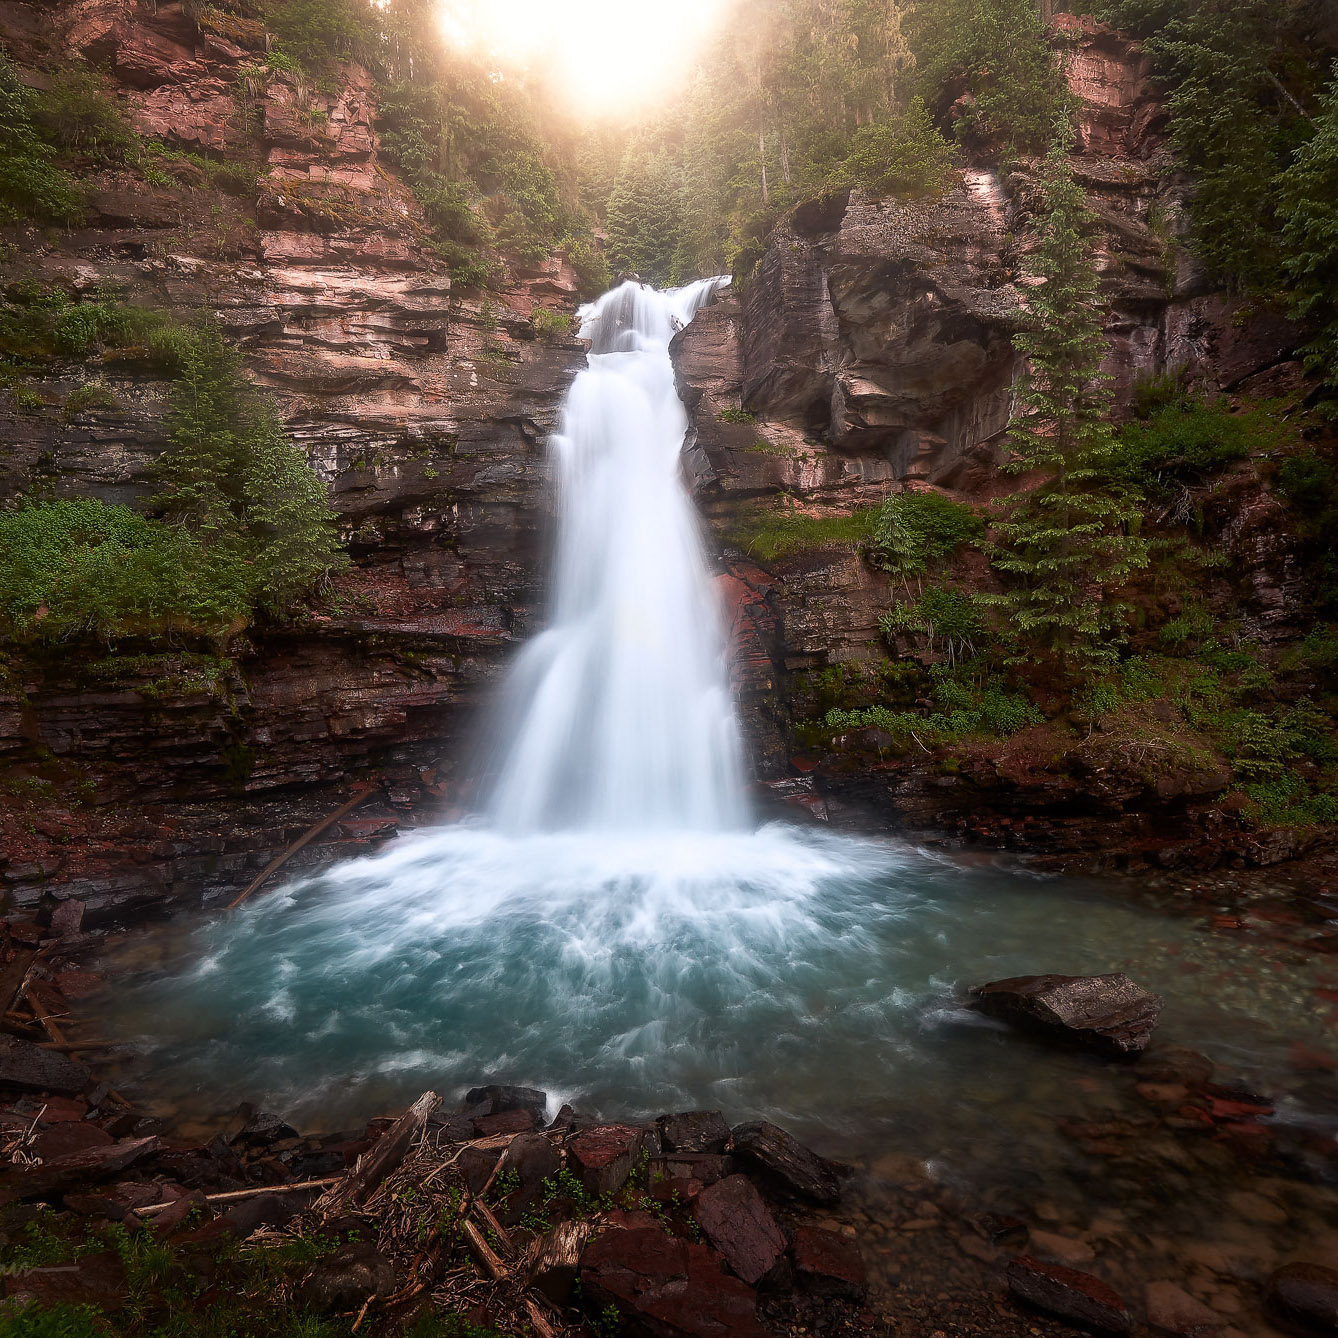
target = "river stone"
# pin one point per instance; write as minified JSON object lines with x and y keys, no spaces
{"x":661,"y":1287}
{"x":1306,"y":1294}
{"x":736,"y":1221}
{"x":1173,"y":1310}
{"x":828,"y":1264}
{"x":32,"y":1069}
{"x":603,"y":1157}
{"x":787,"y":1161}
{"x":1109,"y":1013}
{"x":497,"y":1099}
{"x":1069,"y":1294}
{"x":694,"y":1131}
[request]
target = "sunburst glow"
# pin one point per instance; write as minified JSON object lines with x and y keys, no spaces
{"x":609,"y":55}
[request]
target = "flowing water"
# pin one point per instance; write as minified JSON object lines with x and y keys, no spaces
{"x":613,"y":929}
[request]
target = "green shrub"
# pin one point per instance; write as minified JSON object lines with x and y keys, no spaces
{"x":73,"y":568}
{"x":1289,"y":801}
{"x":591,"y":266}
{"x":32,"y":187}
{"x":317,"y":33}
{"x":943,"y":613}
{"x":551,"y":325}
{"x":736,"y":416}
{"x":915,"y":530}
{"x":1185,"y":440}
{"x":964,"y":708}
{"x":78,"y":112}
{"x":769,"y":533}
{"x":905,"y":157}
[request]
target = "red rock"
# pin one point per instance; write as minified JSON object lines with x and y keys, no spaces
{"x":29,"y":1068}
{"x":787,"y":1162}
{"x":505,"y":1122}
{"x":694,"y":1131}
{"x":1109,"y":1013}
{"x":1306,"y":1294}
{"x":1069,"y":1294}
{"x":1306,"y":1059}
{"x":66,"y":1137}
{"x":661,"y":1287}
{"x":96,"y":1280}
{"x":736,"y":1221}
{"x":828,"y":1264}
{"x":603,"y":1157}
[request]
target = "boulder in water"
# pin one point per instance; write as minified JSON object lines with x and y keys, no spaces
{"x":499,"y":1099}
{"x":786,"y":1162}
{"x":1109,"y":1013}
{"x":1306,"y":1294}
{"x":694,"y":1131}
{"x":828,"y":1264}
{"x":1077,"y":1297}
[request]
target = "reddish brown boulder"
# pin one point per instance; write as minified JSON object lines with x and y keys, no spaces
{"x":741,"y":1227}
{"x":1077,"y":1297}
{"x":787,"y":1162}
{"x":505,"y":1122}
{"x":603,"y":1157}
{"x":661,"y":1287}
{"x":60,"y":1140}
{"x":1109,"y":1013}
{"x":96,"y":1280}
{"x":29,"y":1068}
{"x":694,"y":1131}
{"x":1306,"y":1294}
{"x":828,"y":1264}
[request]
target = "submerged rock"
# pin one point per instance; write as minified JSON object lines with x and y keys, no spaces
{"x":1078,"y":1297}
{"x":1109,"y":1013}
{"x":1306,"y":1294}
{"x":827,"y":1264}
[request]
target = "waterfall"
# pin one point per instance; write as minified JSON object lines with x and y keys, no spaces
{"x":618,"y":716}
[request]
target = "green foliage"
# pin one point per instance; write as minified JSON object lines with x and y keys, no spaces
{"x":944,"y":614}
{"x":590,"y":264}
{"x":233,"y":478}
{"x":1065,"y":544}
{"x":78,"y":112}
{"x":317,"y":33}
{"x":59,"y":1321}
{"x":998,"y":52}
{"x":32,"y":186}
{"x":770,"y":533}
{"x":736,"y":416}
{"x":643,"y":216}
{"x":964,"y":709}
{"x":1308,"y":191}
{"x":1289,"y":801}
{"x":551,"y":325}
{"x":916,"y":530}
{"x":1186,"y":439}
{"x":906,"y":157}
{"x":74,"y":568}
{"x":1237,"y":80}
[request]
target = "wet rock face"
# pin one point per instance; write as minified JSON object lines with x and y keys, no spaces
{"x":1077,"y":1297}
{"x":1107,"y":1013}
{"x":424,"y":409}
{"x":1307,"y":1295}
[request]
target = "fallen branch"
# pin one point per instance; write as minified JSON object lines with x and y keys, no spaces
{"x":233,"y":1195}
{"x":379,"y":1161}
{"x":488,"y":1258}
{"x":280,"y":860}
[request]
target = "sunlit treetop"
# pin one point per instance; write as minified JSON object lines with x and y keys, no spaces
{"x":612,"y":58}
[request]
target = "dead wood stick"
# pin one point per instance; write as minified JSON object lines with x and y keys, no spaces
{"x":488,"y":1258}
{"x":537,"y":1318}
{"x":383,"y":1158}
{"x":233,"y":1195}
{"x":12,"y":976}
{"x":494,"y":1226}
{"x":430,"y":1257}
{"x":310,"y":835}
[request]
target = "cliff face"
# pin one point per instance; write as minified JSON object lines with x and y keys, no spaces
{"x":873,"y":350}
{"x":425,"y":410}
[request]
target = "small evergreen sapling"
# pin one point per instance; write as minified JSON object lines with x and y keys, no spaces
{"x":1067,"y":542}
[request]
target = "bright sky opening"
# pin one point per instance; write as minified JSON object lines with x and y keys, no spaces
{"x":612,"y":56}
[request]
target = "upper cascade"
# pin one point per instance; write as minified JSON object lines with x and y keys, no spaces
{"x":619,"y":715}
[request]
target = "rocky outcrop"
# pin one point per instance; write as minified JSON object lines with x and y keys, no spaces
{"x":871,"y":352}
{"x":423,"y":408}
{"x":1108,"y":1013}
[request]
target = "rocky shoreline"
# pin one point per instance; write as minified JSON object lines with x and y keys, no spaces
{"x":681,"y":1225}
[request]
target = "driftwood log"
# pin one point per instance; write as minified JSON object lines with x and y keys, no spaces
{"x":379,"y":1161}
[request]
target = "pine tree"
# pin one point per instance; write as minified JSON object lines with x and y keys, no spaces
{"x":1064,"y":543}
{"x":234,"y":480}
{"x":1309,"y":194}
